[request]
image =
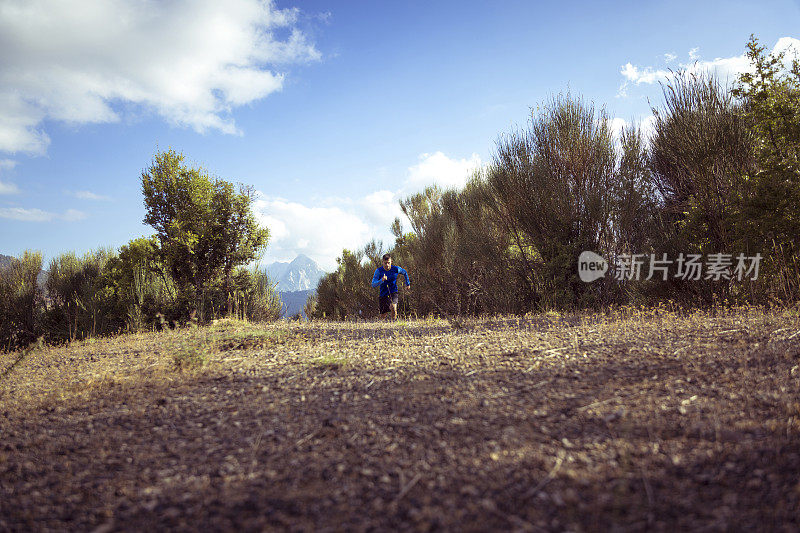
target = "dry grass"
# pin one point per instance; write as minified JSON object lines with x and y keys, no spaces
{"x":628,"y":420}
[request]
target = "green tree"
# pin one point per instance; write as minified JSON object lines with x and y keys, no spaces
{"x":456,"y":252}
{"x":771,"y":95}
{"x":490,"y":278}
{"x":238,"y":237}
{"x":142,"y":285}
{"x":429,"y":255}
{"x":699,"y":154}
{"x":20,"y":301}
{"x":255,"y":297}
{"x":204,"y":227}
{"x":81,"y":299}
{"x":769,"y":219}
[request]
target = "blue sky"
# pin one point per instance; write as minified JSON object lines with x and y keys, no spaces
{"x":332,"y":110}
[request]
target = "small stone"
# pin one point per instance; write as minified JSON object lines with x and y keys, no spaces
{"x":470,"y":490}
{"x":488,"y":504}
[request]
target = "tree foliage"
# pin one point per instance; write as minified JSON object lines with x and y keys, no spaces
{"x":205,"y":228}
{"x":21,"y":300}
{"x":769,"y":216}
{"x":700,"y":152}
{"x":82,"y":302}
{"x":552,"y":186}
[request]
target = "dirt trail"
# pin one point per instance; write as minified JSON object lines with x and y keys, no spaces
{"x":634,"y":421}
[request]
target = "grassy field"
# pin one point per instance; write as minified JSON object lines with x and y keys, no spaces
{"x":628,"y":420}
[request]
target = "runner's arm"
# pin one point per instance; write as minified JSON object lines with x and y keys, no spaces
{"x":377,"y":279}
{"x":402,"y":271}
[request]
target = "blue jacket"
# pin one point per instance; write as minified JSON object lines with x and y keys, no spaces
{"x":390,"y":285}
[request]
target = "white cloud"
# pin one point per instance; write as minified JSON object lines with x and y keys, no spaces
{"x":790,"y":47}
{"x":72,"y":215}
{"x":669,"y":58}
{"x":38,"y":215}
{"x":18,"y":129}
{"x":335,"y":223}
{"x":319,"y":232}
{"x":646,"y":75}
{"x":724,"y":68}
{"x":8,"y":188}
{"x":26,"y":215}
{"x":88,"y":195}
{"x":381,"y":208}
{"x":645,"y":125}
{"x":648,"y":126}
{"x":617,"y":125}
{"x":380,"y":197}
{"x":190,"y":61}
{"x":438,"y":169}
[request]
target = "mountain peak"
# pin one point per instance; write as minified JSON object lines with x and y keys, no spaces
{"x":303,"y":259}
{"x":301,"y":274}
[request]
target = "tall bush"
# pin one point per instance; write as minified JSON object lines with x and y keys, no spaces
{"x":20,"y":301}
{"x":81,"y":303}
{"x":142,"y":284}
{"x":457,"y":253}
{"x":255,"y":297}
{"x":204,"y":227}
{"x":769,"y":220}
{"x":552,"y":189}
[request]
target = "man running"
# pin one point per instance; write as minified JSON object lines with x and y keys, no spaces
{"x":386,"y":278}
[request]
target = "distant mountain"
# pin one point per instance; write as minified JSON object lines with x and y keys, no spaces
{"x":293,"y":302}
{"x":295,"y":281}
{"x":275,"y":271}
{"x":302,"y":274}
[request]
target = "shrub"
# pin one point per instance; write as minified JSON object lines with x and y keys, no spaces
{"x":21,"y":301}
{"x":702,"y":149}
{"x":552,"y":189}
{"x":255,"y":296}
{"x":81,"y":302}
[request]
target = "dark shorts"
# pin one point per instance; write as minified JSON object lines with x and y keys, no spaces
{"x":384,"y":302}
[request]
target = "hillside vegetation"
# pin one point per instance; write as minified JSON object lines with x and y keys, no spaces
{"x":700,"y":210}
{"x":715,"y":178}
{"x":620,"y":420}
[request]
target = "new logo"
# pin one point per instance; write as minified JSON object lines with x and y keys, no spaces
{"x":591,"y":266}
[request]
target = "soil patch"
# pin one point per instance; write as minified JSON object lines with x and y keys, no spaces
{"x":631,"y":420}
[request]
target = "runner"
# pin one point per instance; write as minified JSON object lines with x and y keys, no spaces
{"x":386,"y":278}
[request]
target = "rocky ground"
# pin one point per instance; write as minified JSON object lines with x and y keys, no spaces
{"x":628,"y":420}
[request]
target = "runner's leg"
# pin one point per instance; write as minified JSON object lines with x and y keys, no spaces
{"x":384,"y":305}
